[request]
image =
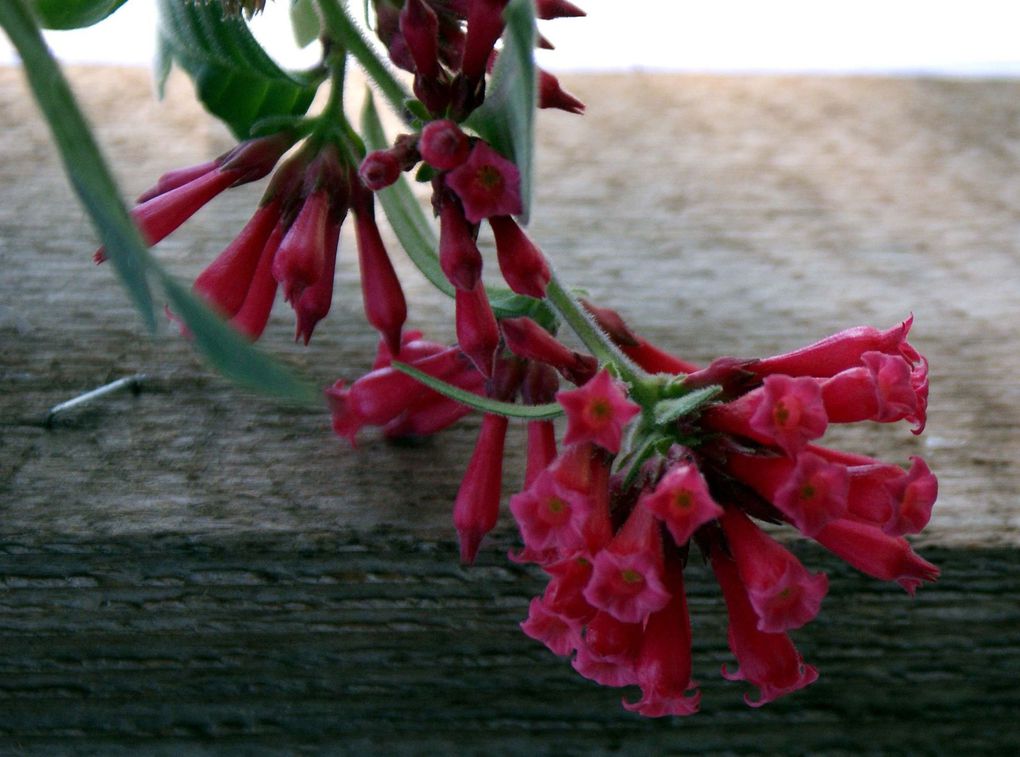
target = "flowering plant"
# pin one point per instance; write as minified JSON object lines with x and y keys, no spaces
{"x":657,"y":454}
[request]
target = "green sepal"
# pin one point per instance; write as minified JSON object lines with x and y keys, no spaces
{"x":234,"y":78}
{"x":668,"y":410}
{"x":544,"y":412}
{"x":71,"y":14}
{"x":506,"y":119}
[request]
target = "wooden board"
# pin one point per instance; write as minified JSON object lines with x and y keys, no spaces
{"x":194,"y":563}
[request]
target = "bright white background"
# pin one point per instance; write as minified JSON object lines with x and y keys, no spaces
{"x":955,"y":37}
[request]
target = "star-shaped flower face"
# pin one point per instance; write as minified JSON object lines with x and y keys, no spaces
{"x":597,"y":412}
{"x":487,"y":183}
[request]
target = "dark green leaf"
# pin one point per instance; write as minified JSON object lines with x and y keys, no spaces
{"x":507,"y":117}
{"x":234,"y":78}
{"x":529,"y":412}
{"x":669,"y":410}
{"x":230,"y":353}
{"x":83,"y":162}
{"x":72,"y":14}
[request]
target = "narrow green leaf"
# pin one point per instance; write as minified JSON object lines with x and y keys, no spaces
{"x":486,"y":405}
{"x":230,"y":353}
{"x":72,"y":14}
{"x":304,"y":20}
{"x":234,"y":77}
{"x":507,"y":117}
{"x":82,"y":160}
{"x":669,"y":410}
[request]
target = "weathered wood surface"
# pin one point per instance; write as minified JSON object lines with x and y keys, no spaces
{"x":195,"y":564}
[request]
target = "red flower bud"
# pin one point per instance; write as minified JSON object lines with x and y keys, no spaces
{"x":443,"y":145}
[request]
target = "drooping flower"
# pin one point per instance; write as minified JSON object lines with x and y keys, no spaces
{"x":681,"y":500}
{"x":487,"y":184}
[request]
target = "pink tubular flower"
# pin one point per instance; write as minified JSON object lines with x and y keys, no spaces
{"x":477,"y":506}
{"x":878,"y":554}
{"x":883,"y":389}
{"x":484,"y":25}
{"x":897,"y":501}
{"x":225,"y":282}
{"x":522,"y":264}
{"x":301,"y":259}
{"x":627,"y":577}
{"x":766,"y":660}
{"x":253,"y":315}
{"x":663,"y":665}
{"x":443,"y":145}
{"x":314,"y":303}
{"x":477,"y":332}
{"x":551,"y":516}
{"x":420,"y":29}
{"x":681,"y":501}
{"x":787,"y":412}
{"x":597,"y":412}
{"x":783,"y":594}
{"x":609,"y":652}
{"x":528,"y":340}
{"x":810,"y":491}
{"x":458,"y":253}
{"x":551,"y":628}
{"x":385,"y":306}
{"x":552,"y":95}
{"x":487,"y":184}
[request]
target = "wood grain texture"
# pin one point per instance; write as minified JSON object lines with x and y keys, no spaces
{"x":194,"y":568}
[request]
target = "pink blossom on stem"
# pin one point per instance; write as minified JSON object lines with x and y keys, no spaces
{"x":539,"y":387}
{"x":420,"y":29}
{"x":314,"y":303}
{"x":883,"y":389}
{"x":522,"y":264}
{"x":458,"y":252}
{"x":487,"y":184}
{"x":897,"y":501}
{"x":876,"y":553}
{"x":379,"y":170}
{"x":787,"y":412}
{"x":477,"y":332}
{"x":225,"y":282}
{"x":476,"y":508}
{"x":253,"y":315}
{"x":528,"y":340}
{"x":609,"y":652}
{"x":766,"y":660}
{"x":383,"y":297}
{"x":663,"y":665}
{"x":300,"y":261}
{"x":551,"y":628}
{"x":177,"y":178}
{"x":681,"y":500}
{"x":552,"y":95}
{"x":597,"y":412}
{"x":627,"y":577}
{"x":443,"y":145}
{"x":551,"y":516}
{"x":564,"y":593}
{"x":484,"y":26}
{"x":783,"y":594}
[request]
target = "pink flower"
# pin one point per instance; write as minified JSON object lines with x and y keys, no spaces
{"x":767,"y":660}
{"x":550,"y":628}
{"x":443,"y":145}
{"x":383,"y":297}
{"x":379,"y":170}
{"x":528,"y":340}
{"x":787,"y":412}
{"x":610,"y":650}
{"x":522,"y":264}
{"x":301,"y":259}
{"x":484,"y":26}
{"x":420,"y":29}
{"x":597,"y":412}
{"x":477,"y":332}
{"x":663,"y":665}
{"x":253,"y":315}
{"x":627,"y":576}
{"x":783,"y":594}
{"x":477,"y":506}
{"x":458,"y":253}
{"x":681,"y":500}
{"x":883,"y":389}
{"x":314,"y":303}
{"x":878,"y":554}
{"x":551,"y":515}
{"x":552,"y":95}
{"x":487,"y":183}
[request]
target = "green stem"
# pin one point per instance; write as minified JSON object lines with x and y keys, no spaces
{"x":341,"y":27}
{"x":594,"y":338}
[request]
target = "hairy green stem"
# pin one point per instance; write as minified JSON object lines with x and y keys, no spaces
{"x":341,"y":28}
{"x":593,"y":337}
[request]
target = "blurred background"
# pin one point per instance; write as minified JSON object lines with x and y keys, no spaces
{"x":950,"y":37}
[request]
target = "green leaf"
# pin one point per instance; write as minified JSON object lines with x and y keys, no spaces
{"x":234,"y":77}
{"x":529,"y":412}
{"x":304,"y":20}
{"x":72,"y":14}
{"x":83,"y":163}
{"x":669,"y":410}
{"x":507,"y":117}
{"x":230,"y":353}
